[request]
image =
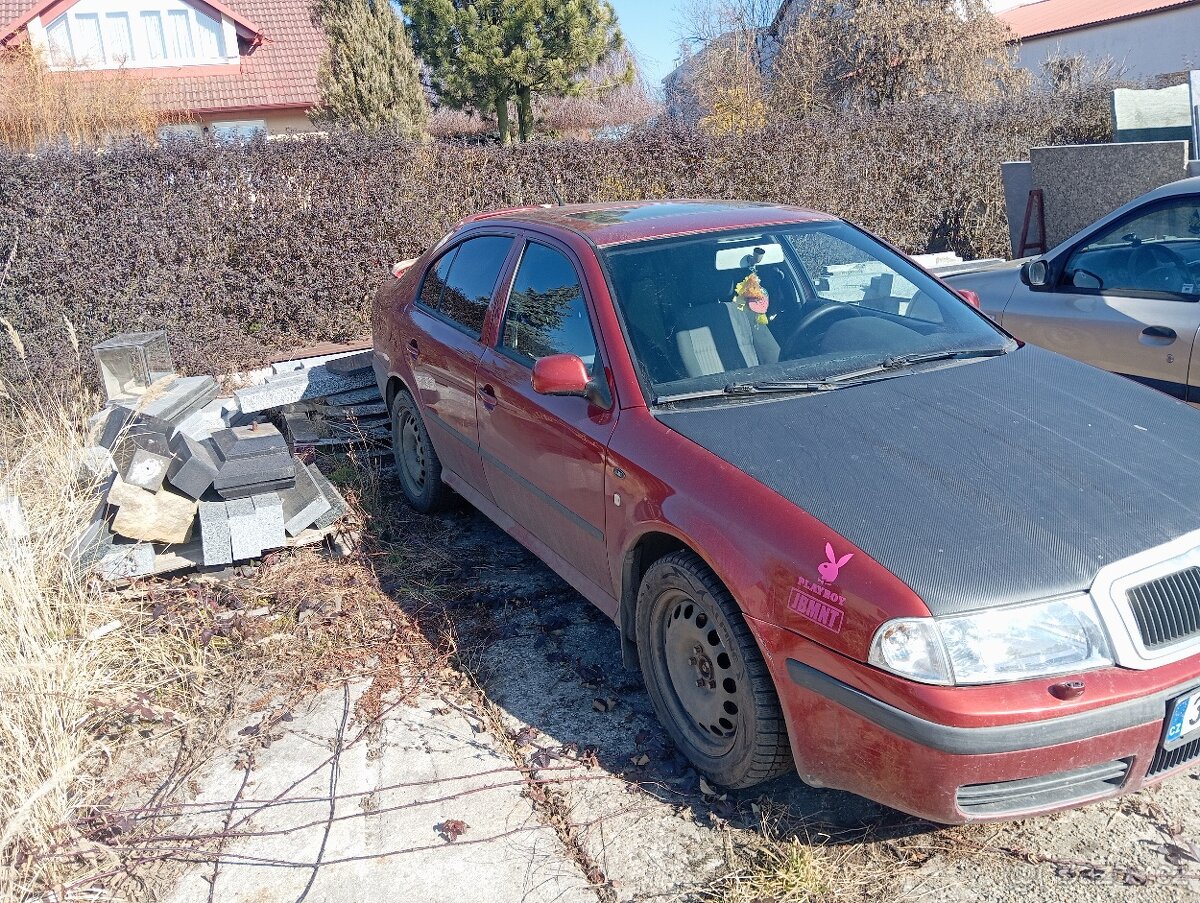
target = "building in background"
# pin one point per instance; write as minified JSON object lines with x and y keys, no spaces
{"x":230,"y":68}
{"x":1149,"y":40}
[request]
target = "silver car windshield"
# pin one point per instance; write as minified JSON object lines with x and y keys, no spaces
{"x":808,"y":302}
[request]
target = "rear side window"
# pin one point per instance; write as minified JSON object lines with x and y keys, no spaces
{"x":460,"y":286}
{"x":546,"y":312}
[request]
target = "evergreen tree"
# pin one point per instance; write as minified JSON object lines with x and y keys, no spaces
{"x":485,"y":53}
{"x":370,"y":77}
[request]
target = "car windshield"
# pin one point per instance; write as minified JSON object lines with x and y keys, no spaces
{"x":777,"y":306}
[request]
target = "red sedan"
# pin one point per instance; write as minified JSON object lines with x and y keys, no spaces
{"x":843,"y":521}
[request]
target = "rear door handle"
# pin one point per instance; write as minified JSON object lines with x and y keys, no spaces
{"x":1161,"y":335}
{"x":488,"y":396}
{"x":414,"y":350}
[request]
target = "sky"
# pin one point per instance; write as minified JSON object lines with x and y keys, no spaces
{"x":650,"y":28}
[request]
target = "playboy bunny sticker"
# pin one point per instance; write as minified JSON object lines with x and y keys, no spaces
{"x":816,"y":602}
{"x":829,"y":569}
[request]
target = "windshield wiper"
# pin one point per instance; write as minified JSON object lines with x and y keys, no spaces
{"x":840,"y":380}
{"x":900,"y":361}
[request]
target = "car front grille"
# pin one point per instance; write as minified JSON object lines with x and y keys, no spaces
{"x":1169,"y":759}
{"x":1064,"y":787}
{"x":1167,"y":610}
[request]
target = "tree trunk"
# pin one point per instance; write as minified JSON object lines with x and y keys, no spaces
{"x":502,"y":119}
{"x":525,"y":113}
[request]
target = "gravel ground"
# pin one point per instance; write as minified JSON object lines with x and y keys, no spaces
{"x":550,"y":665}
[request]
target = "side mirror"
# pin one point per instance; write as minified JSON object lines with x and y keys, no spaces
{"x":1034,"y":273}
{"x":566,"y":374}
{"x":970,"y":297}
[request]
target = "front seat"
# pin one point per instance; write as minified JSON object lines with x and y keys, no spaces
{"x":716,"y":338}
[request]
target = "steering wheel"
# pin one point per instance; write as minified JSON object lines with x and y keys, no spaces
{"x":1158,"y":268}
{"x":813,"y":326}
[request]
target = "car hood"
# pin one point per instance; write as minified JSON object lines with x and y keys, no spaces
{"x":979,"y":484}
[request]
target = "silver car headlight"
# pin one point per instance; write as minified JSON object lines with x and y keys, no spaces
{"x":1041,"y":639}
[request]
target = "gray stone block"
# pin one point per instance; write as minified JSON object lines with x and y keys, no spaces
{"x":303,"y":503}
{"x":350,"y":364}
{"x":1086,"y":181}
{"x":104,"y":427}
{"x":354,"y":396}
{"x":124,"y":561}
{"x":337,"y":505}
{"x":1018,"y":182}
{"x":214,"y":416}
{"x":194,"y":466}
{"x":303,"y":385}
{"x":252,"y":459}
{"x":268,"y":511}
{"x":185,"y":396}
{"x":93,"y":542}
{"x":243,"y":529}
{"x":215,"y":537}
{"x":146,"y":470}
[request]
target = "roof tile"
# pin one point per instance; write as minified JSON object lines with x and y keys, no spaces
{"x":1054,"y":16}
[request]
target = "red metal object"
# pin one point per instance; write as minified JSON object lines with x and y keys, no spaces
{"x":592,"y":489}
{"x":970,"y":297}
{"x":1035,"y":205}
{"x":560,"y":374}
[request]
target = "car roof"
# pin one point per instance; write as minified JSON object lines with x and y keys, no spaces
{"x":617,"y":223}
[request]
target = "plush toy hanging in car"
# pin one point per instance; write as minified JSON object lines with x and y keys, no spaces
{"x":750,"y":293}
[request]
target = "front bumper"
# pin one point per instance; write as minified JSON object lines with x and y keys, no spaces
{"x":847,"y":738}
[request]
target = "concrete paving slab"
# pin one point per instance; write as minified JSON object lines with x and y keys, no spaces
{"x":357,"y":813}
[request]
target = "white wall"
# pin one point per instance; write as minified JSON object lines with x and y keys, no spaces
{"x":1151,"y":45}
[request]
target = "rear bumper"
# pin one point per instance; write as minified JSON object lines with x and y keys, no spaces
{"x":845,"y":738}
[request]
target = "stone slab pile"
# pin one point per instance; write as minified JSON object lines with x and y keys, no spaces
{"x":324,"y":402}
{"x":186,"y":478}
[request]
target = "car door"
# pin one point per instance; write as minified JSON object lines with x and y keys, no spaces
{"x":544,"y":456}
{"x":445,"y":344}
{"x":1126,"y":298}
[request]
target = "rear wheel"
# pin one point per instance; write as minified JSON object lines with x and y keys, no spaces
{"x":706,"y":677}
{"x":416,"y":461}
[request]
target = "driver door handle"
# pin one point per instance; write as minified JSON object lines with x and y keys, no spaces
{"x":488,"y":396}
{"x":1160,"y":332}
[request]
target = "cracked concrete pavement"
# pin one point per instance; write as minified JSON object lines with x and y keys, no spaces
{"x":570,"y":790}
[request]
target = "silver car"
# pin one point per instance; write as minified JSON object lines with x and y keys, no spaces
{"x":1122,"y":294}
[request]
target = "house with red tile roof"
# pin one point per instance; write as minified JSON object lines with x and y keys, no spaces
{"x":229,"y":67}
{"x":1150,"y":39}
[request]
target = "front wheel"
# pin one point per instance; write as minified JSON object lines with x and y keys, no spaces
{"x":416,"y":461}
{"x":706,"y":677}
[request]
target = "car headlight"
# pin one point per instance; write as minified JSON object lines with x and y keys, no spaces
{"x":1054,"y":636}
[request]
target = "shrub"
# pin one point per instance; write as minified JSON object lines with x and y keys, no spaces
{"x":244,"y":249}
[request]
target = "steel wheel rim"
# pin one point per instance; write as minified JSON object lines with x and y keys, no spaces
{"x":704,"y":686}
{"x":412,"y":453}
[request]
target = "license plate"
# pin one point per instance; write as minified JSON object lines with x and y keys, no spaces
{"x":1183,"y":725}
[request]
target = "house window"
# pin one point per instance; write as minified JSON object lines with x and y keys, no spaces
{"x":166,"y":33}
{"x":238,"y":130}
{"x":118,"y":37}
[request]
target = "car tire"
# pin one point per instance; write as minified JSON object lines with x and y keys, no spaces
{"x":417,"y":462}
{"x":706,"y":676}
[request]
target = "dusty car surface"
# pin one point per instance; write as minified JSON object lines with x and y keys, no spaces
{"x":1122,"y":294}
{"x":842,"y":520}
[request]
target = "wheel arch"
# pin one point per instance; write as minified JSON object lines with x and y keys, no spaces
{"x":654,"y":543}
{"x":395,"y":384}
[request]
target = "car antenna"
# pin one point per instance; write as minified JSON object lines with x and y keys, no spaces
{"x":555,"y":183}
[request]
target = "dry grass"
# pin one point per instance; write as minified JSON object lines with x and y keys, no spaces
{"x":40,"y":108}
{"x":67,"y":657}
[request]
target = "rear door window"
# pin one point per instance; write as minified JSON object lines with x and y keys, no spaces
{"x":460,"y":287}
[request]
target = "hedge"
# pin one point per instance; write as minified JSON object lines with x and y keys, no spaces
{"x":242,"y":250}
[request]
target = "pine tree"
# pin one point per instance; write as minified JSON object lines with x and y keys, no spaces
{"x":370,"y":77}
{"x":485,"y":53}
